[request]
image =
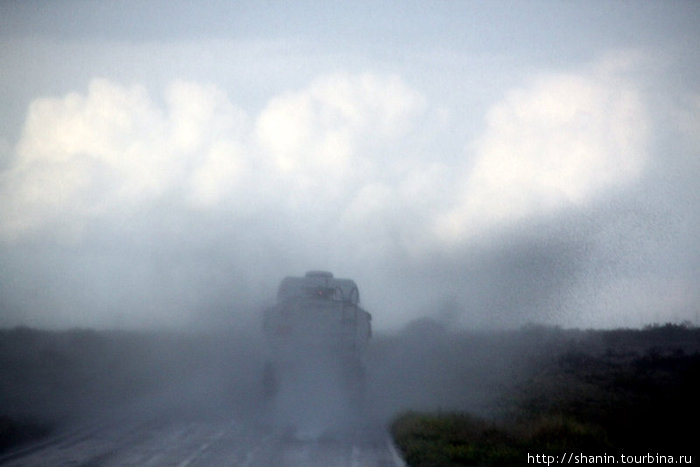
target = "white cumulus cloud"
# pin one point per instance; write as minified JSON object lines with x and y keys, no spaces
{"x":562,"y":141}
{"x":115,"y":150}
{"x":321,"y":128}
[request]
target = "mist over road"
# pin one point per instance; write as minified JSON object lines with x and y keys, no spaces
{"x":119,"y":398}
{"x":194,"y":443}
{"x":124,"y":398}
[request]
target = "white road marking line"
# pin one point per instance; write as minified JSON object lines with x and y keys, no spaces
{"x":202,"y":449}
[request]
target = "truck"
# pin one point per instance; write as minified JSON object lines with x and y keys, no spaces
{"x":317,"y":337}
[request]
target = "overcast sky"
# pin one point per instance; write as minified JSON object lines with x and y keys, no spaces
{"x":486,"y":164}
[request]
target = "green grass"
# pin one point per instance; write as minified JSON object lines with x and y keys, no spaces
{"x":455,"y":439}
{"x":623,"y":397}
{"x":450,"y":439}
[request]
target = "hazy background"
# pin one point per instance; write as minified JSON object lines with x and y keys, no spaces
{"x":165,"y":164}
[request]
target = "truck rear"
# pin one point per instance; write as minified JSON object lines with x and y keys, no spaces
{"x":317,"y":337}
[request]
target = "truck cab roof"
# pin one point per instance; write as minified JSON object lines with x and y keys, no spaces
{"x":318,"y":284}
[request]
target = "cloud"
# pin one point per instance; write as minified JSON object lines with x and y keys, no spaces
{"x":115,"y":150}
{"x":688,"y":118}
{"x":563,"y":141}
{"x":205,"y":204}
{"x":187,"y":190}
{"x":326,"y":136}
{"x":330,"y":154}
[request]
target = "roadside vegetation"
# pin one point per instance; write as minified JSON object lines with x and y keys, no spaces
{"x":596,"y":392}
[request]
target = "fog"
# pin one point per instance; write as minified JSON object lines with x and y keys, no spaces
{"x":63,"y":378}
{"x":486,"y":166}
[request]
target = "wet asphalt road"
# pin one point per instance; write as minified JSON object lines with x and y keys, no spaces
{"x":193,"y":443}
